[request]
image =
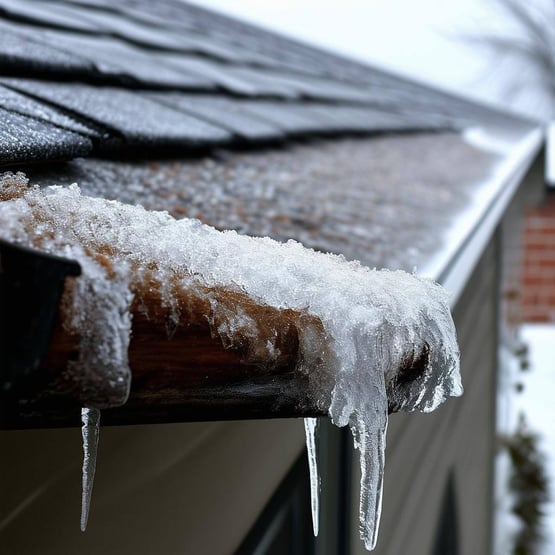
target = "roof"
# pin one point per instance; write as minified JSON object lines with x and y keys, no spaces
{"x":181,"y":109}
{"x":91,"y":77}
{"x":334,"y":195}
{"x":176,"y":107}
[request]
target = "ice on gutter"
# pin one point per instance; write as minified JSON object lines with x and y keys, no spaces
{"x":465,"y":240}
{"x":387,"y":339}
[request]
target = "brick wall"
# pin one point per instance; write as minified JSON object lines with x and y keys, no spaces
{"x":538,"y":273}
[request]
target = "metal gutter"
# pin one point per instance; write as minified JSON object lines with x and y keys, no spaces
{"x":467,"y":239}
{"x":31,"y":286}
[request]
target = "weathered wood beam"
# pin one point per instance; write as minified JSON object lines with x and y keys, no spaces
{"x":190,"y":376}
{"x":202,"y":370}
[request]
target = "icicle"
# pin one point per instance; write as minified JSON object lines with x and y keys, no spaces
{"x":310,"y":427}
{"x":369,"y":438}
{"x":90,"y":430}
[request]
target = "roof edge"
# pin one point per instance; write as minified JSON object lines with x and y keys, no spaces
{"x":472,"y":231}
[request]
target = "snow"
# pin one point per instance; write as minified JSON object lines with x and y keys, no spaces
{"x":388,"y":337}
{"x":536,"y":404}
{"x":506,"y":524}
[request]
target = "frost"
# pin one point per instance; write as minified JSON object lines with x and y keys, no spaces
{"x":90,"y":431}
{"x":387,"y":340}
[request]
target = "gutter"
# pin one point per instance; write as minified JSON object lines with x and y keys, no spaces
{"x":236,"y":390}
{"x":468,"y":237}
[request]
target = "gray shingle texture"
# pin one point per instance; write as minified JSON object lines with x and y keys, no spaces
{"x":126,"y":75}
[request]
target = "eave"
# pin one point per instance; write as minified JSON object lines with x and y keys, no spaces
{"x":473,"y":229}
{"x":193,"y":376}
{"x":195,"y":98}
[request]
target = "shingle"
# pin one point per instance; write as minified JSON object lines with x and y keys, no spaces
{"x":214,"y":71}
{"x":140,"y":121}
{"x":244,"y":36}
{"x":137,"y":13}
{"x":15,"y":102}
{"x":173,"y":14}
{"x":309,"y":86}
{"x":289,"y":117}
{"x":155,"y":34}
{"x":224,"y":112}
{"x":162,"y":38}
{"x":219,"y":31}
{"x":24,"y":49}
{"x":236,"y":79}
{"x":24,"y":139}
{"x":278,"y":51}
{"x":46,"y":13}
{"x":133,"y":31}
{"x":124,"y":62}
{"x":100,"y":22}
{"x":299,"y":118}
{"x":368,"y":119}
{"x":265,"y":82}
{"x":203,"y":78}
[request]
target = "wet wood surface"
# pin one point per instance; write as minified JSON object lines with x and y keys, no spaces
{"x":190,"y":376}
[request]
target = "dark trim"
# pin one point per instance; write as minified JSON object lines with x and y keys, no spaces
{"x":447,"y":531}
{"x":31,"y":286}
{"x":345,"y":491}
{"x":288,"y":505}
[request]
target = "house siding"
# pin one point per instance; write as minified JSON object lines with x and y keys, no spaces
{"x":160,"y":489}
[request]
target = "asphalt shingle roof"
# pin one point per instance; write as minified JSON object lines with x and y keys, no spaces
{"x":121,"y":77}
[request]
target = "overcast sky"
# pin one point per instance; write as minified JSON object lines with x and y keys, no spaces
{"x":423,"y":38}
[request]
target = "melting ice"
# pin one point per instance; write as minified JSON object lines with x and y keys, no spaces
{"x":310,"y":426}
{"x":90,"y":429}
{"x":395,"y":349}
{"x":390,"y":339}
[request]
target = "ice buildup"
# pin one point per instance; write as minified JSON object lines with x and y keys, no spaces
{"x":387,"y":340}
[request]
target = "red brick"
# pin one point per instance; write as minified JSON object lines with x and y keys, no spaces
{"x":536,"y":313}
{"x":537,"y":272}
{"x":532,"y":281}
{"x":536,"y":318}
{"x":547,"y":262}
{"x":529,"y":302}
{"x":538,"y":244}
{"x":539,"y":225}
